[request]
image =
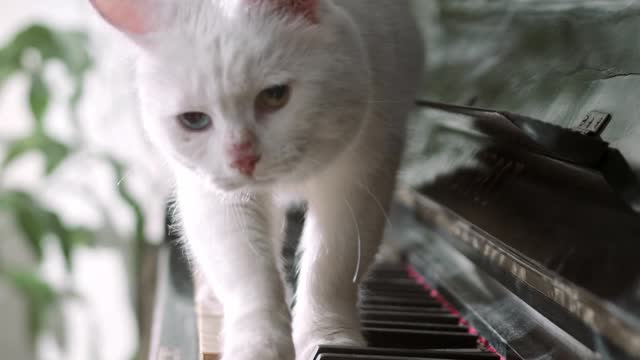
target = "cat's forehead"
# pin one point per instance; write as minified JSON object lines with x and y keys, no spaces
{"x":236,"y":49}
{"x":217,"y":66}
{"x":215,"y":20}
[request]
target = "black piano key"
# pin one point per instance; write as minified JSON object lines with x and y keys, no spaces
{"x":388,"y":266}
{"x":418,"y":339}
{"x":406,"y":353}
{"x":420,"y":300}
{"x":394,"y":289}
{"x":409,"y":317}
{"x":397,"y":293}
{"x":365,"y":357}
{"x":390,"y":273}
{"x":415,"y":326}
{"x":411,"y":309}
{"x":400,"y":294}
{"x":394,"y":281}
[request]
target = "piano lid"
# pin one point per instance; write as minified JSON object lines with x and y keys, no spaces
{"x":557,"y":61}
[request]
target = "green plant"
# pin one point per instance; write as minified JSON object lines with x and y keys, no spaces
{"x":28,"y":54}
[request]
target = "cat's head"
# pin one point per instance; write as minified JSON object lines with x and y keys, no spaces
{"x":246,"y":93}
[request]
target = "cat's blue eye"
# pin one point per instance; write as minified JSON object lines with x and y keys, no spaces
{"x":195,"y":121}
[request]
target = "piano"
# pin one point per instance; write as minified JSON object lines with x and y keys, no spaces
{"x":516,"y":225}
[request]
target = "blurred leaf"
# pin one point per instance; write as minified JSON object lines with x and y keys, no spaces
{"x":30,"y":284}
{"x":9,"y":61}
{"x":10,"y":200}
{"x":76,"y":57}
{"x":128,"y":198}
{"x":38,"y":98}
{"x":29,"y":217}
{"x":36,"y":222}
{"x":42,"y":45}
{"x":82,"y":237}
{"x":7,"y":67}
{"x":139,"y":237}
{"x":36,"y":37}
{"x":140,"y":241}
{"x":33,"y":224}
{"x":41,"y":298}
{"x":74,"y":100}
{"x":19,"y":148}
{"x":69,"y":47}
{"x":54,"y":151}
{"x":74,"y":50}
{"x":69,"y":238}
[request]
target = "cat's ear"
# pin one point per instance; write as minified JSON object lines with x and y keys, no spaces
{"x":133,"y":17}
{"x":305,"y":8}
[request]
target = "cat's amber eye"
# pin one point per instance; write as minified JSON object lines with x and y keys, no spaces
{"x":273,"y":98}
{"x":195,"y":121}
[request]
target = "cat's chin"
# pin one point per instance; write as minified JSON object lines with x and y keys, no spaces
{"x":247,"y":184}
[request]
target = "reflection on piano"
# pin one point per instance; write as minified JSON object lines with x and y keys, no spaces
{"x":519,"y":229}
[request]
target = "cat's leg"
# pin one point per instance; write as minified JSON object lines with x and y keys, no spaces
{"x":279,"y":235}
{"x":344,"y":226}
{"x":229,"y":238}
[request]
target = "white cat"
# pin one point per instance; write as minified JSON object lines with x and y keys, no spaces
{"x":253,"y":101}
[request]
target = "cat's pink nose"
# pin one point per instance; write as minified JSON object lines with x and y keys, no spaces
{"x":243,"y":145}
{"x":246,"y":164}
{"x":243,"y":152}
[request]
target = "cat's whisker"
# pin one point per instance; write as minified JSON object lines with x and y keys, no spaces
{"x":377,"y":201}
{"x":359,"y":258}
{"x":361,"y":184}
{"x":174,"y":211}
{"x":386,"y":102}
{"x":123,"y":178}
{"x":384,"y":213}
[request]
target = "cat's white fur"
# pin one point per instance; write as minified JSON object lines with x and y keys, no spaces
{"x":336,"y":145}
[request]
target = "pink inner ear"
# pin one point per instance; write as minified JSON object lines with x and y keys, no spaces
{"x":305,"y":8}
{"x":130,"y":16}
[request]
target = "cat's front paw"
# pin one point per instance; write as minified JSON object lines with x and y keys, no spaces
{"x":270,"y":340}
{"x":260,"y":347}
{"x":267,"y":349}
{"x":307,"y":344}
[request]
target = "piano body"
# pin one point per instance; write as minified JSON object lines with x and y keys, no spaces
{"x":518,"y":213}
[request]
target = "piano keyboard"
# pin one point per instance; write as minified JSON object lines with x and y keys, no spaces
{"x":402,"y":320}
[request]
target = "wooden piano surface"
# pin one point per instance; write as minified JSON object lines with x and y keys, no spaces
{"x":209,"y":314}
